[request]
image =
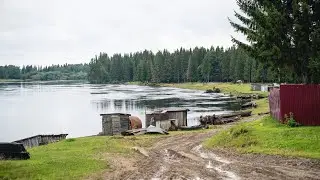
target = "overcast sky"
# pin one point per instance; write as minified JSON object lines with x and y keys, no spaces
{"x":43,"y":32}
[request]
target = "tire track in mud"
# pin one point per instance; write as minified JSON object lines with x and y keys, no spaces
{"x":212,"y":160}
{"x":182,"y":157}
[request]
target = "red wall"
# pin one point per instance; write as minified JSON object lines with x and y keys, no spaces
{"x":303,"y":101}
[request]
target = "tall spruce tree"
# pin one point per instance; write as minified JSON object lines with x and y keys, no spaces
{"x":281,"y":32}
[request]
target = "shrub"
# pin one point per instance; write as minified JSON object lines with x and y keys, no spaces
{"x":209,"y":91}
{"x":70,"y":140}
{"x":217,"y":90}
{"x":236,"y":132}
{"x":290,"y":121}
{"x":213,"y":90}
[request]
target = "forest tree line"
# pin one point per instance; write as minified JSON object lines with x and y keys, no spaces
{"x":199,"y":64}
{"x":45,"y":73}
{"x":283,"y":46}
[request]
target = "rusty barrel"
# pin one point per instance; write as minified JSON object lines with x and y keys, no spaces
{"x":135,"y":122}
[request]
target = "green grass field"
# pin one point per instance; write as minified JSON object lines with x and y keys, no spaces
{"x":268,"y":136}
{"x":72,"y":158}
{"x":78,"y":158}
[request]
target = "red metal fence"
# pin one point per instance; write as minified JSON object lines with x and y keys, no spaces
{"x":302,"y":100}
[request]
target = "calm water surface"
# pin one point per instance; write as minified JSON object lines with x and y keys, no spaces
{"x":46,"y":108}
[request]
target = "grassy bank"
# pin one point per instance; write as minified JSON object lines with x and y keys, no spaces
{"x":228,"y":88}
{"x":72,"y":158}
{"x":9,"y":80}
{"x":78,"y":158}
{"x":267,"y":136}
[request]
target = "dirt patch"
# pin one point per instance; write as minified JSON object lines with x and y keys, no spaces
{"x":120,"y":167}
{"x":182,"y":157}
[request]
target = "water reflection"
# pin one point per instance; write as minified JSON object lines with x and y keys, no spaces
{"x":28,"y":109}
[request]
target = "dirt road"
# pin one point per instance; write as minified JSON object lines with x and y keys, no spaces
{"x":183,"y":157}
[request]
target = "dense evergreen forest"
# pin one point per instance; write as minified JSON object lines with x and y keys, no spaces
{"x":184,"y":65}
{"x":39,"y":73}
{"x":283,"y":46}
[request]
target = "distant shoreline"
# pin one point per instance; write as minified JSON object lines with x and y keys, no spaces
{"x":14,"y":81}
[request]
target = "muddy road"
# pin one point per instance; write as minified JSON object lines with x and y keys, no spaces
{"x":183,"y":157}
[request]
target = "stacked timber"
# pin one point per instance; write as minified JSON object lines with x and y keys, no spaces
{"x":224,"y":118}
{"x":249,"y":105}
{"x":250,"y":96}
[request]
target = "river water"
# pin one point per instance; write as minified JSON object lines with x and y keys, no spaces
{"x":28,"y":109}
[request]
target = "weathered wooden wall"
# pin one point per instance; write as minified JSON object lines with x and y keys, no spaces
{"x":41,"y":140}
{"x":274,"y":103}
{"x":166,"y":124}
{"x":114,"y":124}
{"x":181,"y":116}
{"x":157,"y":117}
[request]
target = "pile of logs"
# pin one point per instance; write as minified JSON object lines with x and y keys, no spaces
{"x":213,"y":90}
{"x":249,"y":105}
{"x":224,"y":118}
{"x":250,"y":96}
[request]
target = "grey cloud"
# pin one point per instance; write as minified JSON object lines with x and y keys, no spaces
{"x":73,"y":31}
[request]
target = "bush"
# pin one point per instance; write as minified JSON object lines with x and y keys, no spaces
{"x":209,"y":91}
{"x":153,"y":84}
{"x":70,"y":140}
{"x":213,"y":90}
{"x":236,"y":132}
{"x":290,"y":121}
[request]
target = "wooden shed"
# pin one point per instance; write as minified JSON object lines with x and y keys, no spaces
{"x":39,"y":140}
{"x":165,"y":118}
{"x":170,"y":124}
{"x":179,"y":114}
{"x":115,"y":123}
{"x":152,"y":118}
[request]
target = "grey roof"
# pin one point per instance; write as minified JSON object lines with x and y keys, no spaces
{"x":115,"y":114}
{"x":169,"y":110}
{"x":175,"y":110}
{"x":41,"y":135}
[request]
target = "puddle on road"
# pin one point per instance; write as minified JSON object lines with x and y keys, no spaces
{"x":211,"y":165}
{"x":229,"y":175}
{"x":159,"y":173}
{"x":163,"y":168}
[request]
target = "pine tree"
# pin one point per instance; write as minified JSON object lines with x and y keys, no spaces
{"x":206,"y":66}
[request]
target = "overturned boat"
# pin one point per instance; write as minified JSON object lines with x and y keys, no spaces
{"x":13,"y":151}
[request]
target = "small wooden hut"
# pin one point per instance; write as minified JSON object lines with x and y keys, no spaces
{"x":168,"y":117}
{"x":178,"y":114}
{"x":153,"y":117}
{"x":115,"y":123}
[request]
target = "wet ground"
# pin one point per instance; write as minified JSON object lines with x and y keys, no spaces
{"x":183,"y":157}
